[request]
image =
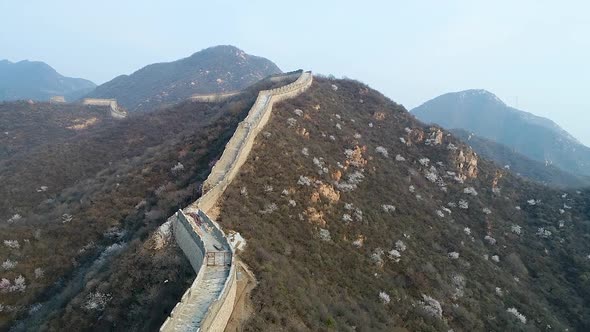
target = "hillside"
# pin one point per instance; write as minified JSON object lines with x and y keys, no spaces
{"x":484,"y":114}
{"x":503,"y":156}
{"x":26,"y":125}
{"x":38,"y":81}
{"x":360,"y":218}
{"x":212,"y":70}
{"x":84,"y":244}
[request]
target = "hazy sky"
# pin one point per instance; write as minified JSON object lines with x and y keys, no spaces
{"x":534,"y":55}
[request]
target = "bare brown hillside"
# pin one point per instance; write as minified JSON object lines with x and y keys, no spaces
{"x":360,"y":218}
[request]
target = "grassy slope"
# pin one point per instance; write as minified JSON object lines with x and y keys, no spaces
{"x":307,"y":283}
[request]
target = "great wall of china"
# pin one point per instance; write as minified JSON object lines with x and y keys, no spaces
{"x":208,"y":303}
{"x":116,"y":112}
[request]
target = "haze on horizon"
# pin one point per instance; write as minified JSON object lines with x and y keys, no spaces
{"x":533,"y":55}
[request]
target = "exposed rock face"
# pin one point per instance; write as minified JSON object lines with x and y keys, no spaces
{"x":415,"y":136}
{"x":330,"y":193}
{"x":336,"y":175}
{"x":466,"y":164}
{"x":379,"y":116}
{"x":435,"y":137}
{"x":356,"y":157}
{"x":315,"y":217}
{"x":496,"y":179}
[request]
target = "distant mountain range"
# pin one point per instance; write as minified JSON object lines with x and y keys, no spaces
{"x":38,"y":81}
{"x":521,"y":165}
{"x":212,"y":70}
{"x":484,"y":114}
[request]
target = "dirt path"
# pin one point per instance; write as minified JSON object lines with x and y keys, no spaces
{"x":243,"y":306}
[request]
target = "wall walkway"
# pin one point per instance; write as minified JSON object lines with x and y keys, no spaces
{"x":207,"y":305}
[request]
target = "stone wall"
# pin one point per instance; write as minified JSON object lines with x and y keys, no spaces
{"x":235,"y":154}
{"x":116,"y":111}
{"x":239,"y":146}
{"x":214,"y":97}
{"x":188,"y":240}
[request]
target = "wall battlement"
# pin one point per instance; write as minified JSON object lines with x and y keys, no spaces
{"x":203,"y":237}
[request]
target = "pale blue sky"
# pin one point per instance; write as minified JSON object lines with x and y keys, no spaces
{"x":532,"y":54}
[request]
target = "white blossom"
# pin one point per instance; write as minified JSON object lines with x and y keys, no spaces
{"x":346,"y":218}
{"x":486,"y":211}
{"x":517,"y":314}
{"x":463,"y":204}
{"x":399,"y":158}
{"x":496,"y":258}
{"x":499,"y":291}
{"x":412,"y":189}
{"x":384,"y":297}
{"x":452,"y":147}
{"x":371,"y":125}
{"x":292,"y":203}
{"x":39,"y":273}
{"x":244,"y":191}
{"x":432,"y":177}
{"x":269,"y":208}
{"x":357,"y":136}
{"x":453,"y":255}
{"x":8,"y":264}
{"x":334,"y":87}
{"x":470,"y":191}
{"x":388,"y":208}
{"x":14,"y":218}
{"x":267,"y":188}
{"x":12,"y":244}
{"x":383,"y":151}
{"x":467,"y":230}
{"x":332,"y":137}
{"x":490,"y":239}
{"x":325,"y":235}
{"x":424,"y":161}
{"x":544,"y":233}
{"x":440,"y":213}
{"x":304,"y":181}
{"x":305,"y":152}
{"x":516,"y":229}
{"x":400,"y":245}
{"x":394,"y":255}
{"x":97,"y":301}
{"x":298,"y":112}
{"x":291,"y":122}
{"x":431,"y":306}
{"x":177,"y":168}
{"x":338,"y":126}
{"x":401,"y":139}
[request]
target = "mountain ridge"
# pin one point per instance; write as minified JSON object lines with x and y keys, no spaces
{"x":37,"y":80}
{"x":484,"y":114}
{"x":216,"y":69}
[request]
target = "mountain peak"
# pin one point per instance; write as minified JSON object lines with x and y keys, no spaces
{"x":221,"y":68}
{"x":479,"y":95}
{"x":37,"y":80}
{"x":483,"y":113}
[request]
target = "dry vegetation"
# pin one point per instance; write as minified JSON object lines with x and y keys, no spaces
{"x":316,"y":199}
{"x":89,"y":206}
